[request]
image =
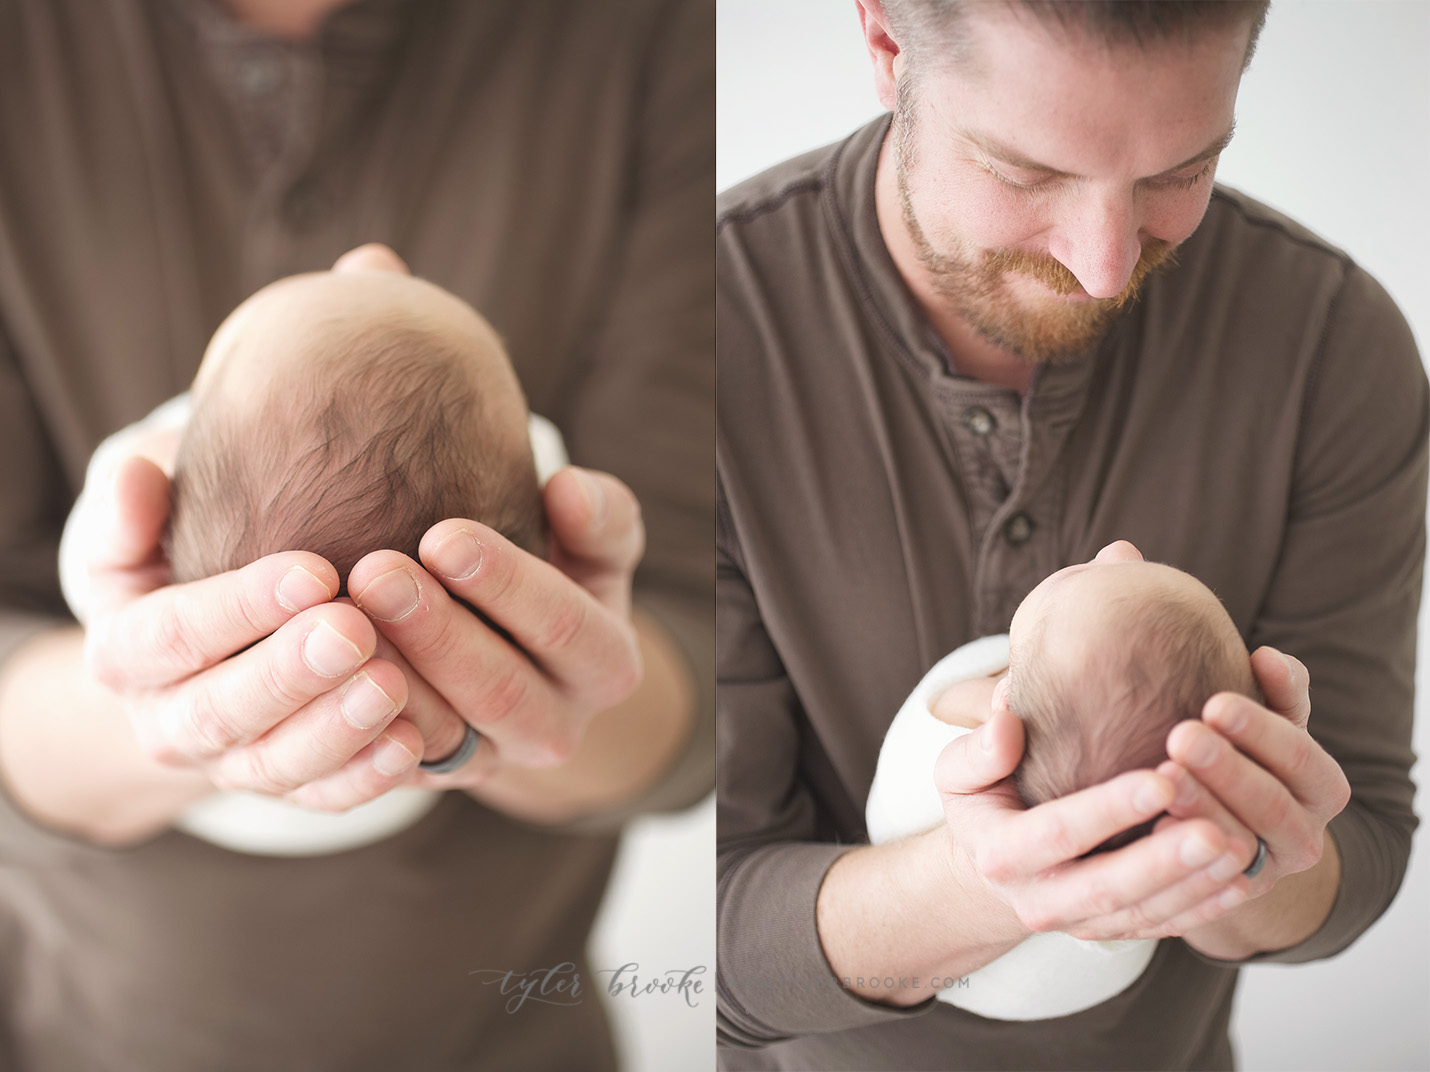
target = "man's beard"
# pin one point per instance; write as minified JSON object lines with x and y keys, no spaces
{"x":1046,"y":332}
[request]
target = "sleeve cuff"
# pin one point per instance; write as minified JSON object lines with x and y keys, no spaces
{"x":774,"y":981}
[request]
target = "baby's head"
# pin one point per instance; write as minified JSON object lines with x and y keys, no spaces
{"x":1106,"y":657}
{"x":340,"y":413}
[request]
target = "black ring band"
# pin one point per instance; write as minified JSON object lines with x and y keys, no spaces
{"x":458,"y":759}
{"x":1258,"y":863}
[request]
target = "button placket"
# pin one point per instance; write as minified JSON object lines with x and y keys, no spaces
{"x":260,"y":75}
{"x":979,"y":421}
{"x":1018,"y":529}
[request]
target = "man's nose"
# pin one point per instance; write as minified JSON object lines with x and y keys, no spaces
{"x":1100,"y":244}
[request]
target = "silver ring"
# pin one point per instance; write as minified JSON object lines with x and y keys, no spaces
{"x":458,"y":759}
{"x":1258,"y":863}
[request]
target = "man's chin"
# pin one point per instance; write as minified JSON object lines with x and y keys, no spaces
{"x":1044,"y":340}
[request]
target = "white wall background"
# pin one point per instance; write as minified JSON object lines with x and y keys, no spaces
{"x":1333,"y":128}
{"x":659,"y":912}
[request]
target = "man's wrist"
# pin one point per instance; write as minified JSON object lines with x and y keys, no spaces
{"x":968,"y":887}
{"x":1286,"y":915}
{"x":68,"y":756}
{"x":903,"y":911}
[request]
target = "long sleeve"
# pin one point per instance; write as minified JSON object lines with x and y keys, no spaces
{"x":33,"y":502}
{"x":774,"y":981}
{"x":1259,"y":419}
{"x":644,"y":405}
{"x":1347,"y":588}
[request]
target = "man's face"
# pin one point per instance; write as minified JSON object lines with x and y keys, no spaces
{"x":1044,"y":178}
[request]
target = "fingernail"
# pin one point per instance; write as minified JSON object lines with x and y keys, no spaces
{"x":1149,"y":799}
{"x":1197,"y":852}
{"x":1231,"y":898}
{"x":298,"y":590}
{"x":364,"y":703}
{"x":328,"y":652}
{"x":1186,"y":792}
{"x":985,"y":738}
{"x":594,"y":496}
{"x":1290,"y":666}
{"x":391,"y":757}
{"x":1225,"y":869}
{"x":1230,"y":716}
{"x":1202,"y":753}
{"x":391,"y":597}
{"x":458,"y":556}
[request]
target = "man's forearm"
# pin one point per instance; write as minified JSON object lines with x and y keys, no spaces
{"x":903,"y":911}
{"x":1288,"y":914}
{"x":68,"y":756}
{"x":626,"y":750}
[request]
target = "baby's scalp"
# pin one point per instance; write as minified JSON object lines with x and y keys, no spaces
{"x":341,"y":413}
{"x":303,"y":317}
{"x":1105,"y":658}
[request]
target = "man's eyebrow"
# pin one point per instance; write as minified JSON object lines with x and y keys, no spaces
{"x":1011,"y":156}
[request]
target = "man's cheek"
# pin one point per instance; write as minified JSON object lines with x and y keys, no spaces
{"x":1173,"y":218}
{"x":1003,"y":218}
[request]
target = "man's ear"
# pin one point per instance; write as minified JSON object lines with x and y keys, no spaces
{"x":883,"y":51}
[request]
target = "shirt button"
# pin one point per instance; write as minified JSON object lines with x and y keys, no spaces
{"x":978,"y":420}
{"x":259,"y":75}
{"x":1018,"y":529}
{"x":304,"y":207}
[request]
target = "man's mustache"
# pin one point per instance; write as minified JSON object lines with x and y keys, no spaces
{"x":1056,"y":276}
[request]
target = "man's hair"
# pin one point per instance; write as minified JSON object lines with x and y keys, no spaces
{"x":361,"y":448}
{"x":1112,"y":714}
{"x":923,"y":28}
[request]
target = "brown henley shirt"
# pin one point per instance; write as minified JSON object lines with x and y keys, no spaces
{"x":552,"y":163}
{"x":1258,"y":419}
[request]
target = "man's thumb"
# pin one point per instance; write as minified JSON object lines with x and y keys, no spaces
{"x":137,"y":511}
{"x":979,"y":759}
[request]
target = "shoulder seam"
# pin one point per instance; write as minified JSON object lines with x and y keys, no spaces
{"x":1318,"y":244}
{"x":746,"y":213}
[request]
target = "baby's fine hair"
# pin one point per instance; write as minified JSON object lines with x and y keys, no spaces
{"x":1086,"y":725}
{"x":357,"y":449}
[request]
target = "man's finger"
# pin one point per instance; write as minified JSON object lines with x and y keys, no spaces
{"x":579,"y":643}
{"x":1176,"y":904}
{"x":974,"y":761}
{"x":598,"y":535}
{"x":441,"y":727}
{"x":322,"y":736}
{"x":242,"y":698}
{"x":139,"y":500}
{"x":1277,"y":744}
{"x":1118,"y":883}
{"x":1211,"y":909}
{"x":179,"y":630}
{"x":1063,"y":829}
{"x":365,"y":776}
{"x":1286,"y":684}
{"x":595,"y":517}
{"x":116,"y":538}
{"x":482,"y":675}
{"x":1193,"y":801}
{"x":1255,"y":796}
{"x":371,"y":257}
{"x":1118,"y":551}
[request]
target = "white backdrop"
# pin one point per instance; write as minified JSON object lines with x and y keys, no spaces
{"x":659,"y":912}
{"x":1333,"y":128}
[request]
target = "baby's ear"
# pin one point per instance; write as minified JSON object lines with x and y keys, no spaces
{"x":1000,"y":694}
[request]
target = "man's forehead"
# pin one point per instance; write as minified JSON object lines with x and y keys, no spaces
{"x":967,"y":32}
{"x":1055,"y":97}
